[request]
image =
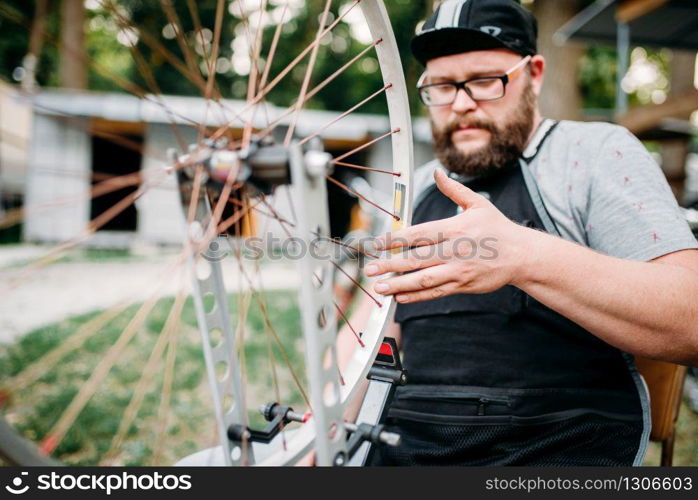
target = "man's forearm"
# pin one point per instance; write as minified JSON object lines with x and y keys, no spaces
{"x":643,"y":308}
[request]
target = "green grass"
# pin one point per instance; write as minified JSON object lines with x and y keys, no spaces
{"x":686,"y":446}
{"x":36,"y":409}
{"x":100,"y":255}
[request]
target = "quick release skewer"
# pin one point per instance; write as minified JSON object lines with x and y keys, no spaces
{"x":278,"y":417}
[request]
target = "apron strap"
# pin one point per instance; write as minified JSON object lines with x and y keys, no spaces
{"x":544,"y":130}
{"x":537,"y":199}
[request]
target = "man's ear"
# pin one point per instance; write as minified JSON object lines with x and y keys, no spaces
{"x":537,"y":65}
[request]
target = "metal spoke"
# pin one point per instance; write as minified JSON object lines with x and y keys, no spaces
{"x":356,"y":193}
{"x":163,"y":410}
{"x":348,"y":323}
{"x":261,"y":301}
{"x":17,"y":215}
{"x":166,"y":395}
{"x":173,"y":18}
{"x":128,"y":86}
{"x":356,"y":283}
{"x":345,"y":114}
{"x":346,"y":245}
{"x":270,"y":86}
{"x":271,"y":214}
{"x":244,"y":300}
{"x":316,"y":89}
{"x":254,"y":52}
{"x":89,"y":230}
{"x":198,"y":28}
{"x":361,"y":167}
{"x":308,"y":74}
{"x":48,"y":361}
{"x":224,"y":225}
{"x":218,"y":23}
{"x":54,"y":437}
{"x":147,"y":73}
{"x":303,"y":53}
{"x":273,"y":46}
{"x":169,"y":330}
{"x":364,"y":146}
{"x":155,"y":45}
{"x":278,"y":217}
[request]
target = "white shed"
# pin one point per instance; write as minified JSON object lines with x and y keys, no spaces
{"x":80,"y":137}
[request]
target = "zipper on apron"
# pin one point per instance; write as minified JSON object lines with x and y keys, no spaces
{"x":484,"y":402}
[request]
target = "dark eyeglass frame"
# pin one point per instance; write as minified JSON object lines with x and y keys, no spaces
{"x":505,"y":79}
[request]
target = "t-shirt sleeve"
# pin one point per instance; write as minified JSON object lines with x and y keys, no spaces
{"x":632,"y":212}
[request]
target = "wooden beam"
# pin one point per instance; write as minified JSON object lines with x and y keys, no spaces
{"x":629,"y":10}
{"x":644,"y":118}
{"x":113,"y":127}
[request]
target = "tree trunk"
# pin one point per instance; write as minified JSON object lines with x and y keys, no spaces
{"x":561,"y":98}
{"x":36,"y":44}
{"x":73,"y":71}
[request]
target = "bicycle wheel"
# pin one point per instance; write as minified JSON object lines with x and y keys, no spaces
{"x":151,"y":375}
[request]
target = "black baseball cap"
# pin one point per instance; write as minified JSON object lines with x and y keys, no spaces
{"x":464,"y":25}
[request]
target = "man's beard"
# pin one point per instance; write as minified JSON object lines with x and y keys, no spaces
{"x":507,"y":140}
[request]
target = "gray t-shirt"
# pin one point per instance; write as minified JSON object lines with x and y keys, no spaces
{"x":602,"y":190}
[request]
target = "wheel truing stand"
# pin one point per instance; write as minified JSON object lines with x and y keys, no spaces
{"x":261,"y":167}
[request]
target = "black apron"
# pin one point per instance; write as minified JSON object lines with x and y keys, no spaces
{"x":501,"y":379}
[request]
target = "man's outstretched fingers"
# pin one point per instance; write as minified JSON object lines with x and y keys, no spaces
{"x":414,"y":282}
{"x":428,"y":294}
{"x":462,"y":195}
{"x":428,"y":233}
{"x":410,"y":260}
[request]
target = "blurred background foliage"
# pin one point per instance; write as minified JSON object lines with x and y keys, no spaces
{"x":108,"y":40}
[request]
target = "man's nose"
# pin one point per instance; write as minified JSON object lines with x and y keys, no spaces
{"x":463,"y":102}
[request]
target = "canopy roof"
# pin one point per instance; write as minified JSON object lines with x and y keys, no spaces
{"x":672,"y":24}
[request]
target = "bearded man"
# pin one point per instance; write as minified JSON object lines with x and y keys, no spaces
{"x":520,"y":352}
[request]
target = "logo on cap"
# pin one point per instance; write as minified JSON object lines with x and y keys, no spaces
{"x":491,"y":30}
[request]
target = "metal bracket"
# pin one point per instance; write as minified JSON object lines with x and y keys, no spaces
{"x":213,"y":316}
{"x":308,"y":171}
{"x":384,"y":377}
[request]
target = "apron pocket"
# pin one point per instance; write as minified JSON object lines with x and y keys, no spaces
{"x":558,"y":439}
{"x":450,"y":403}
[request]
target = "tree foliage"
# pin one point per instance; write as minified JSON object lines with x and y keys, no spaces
{"x":109,"y":33}
{"x":107,"y":40}
{"x":14,"y":42}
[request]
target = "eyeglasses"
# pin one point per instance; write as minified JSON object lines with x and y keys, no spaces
{"x":484,"y":88}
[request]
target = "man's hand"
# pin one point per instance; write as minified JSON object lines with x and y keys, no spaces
{"x":477,"y":251}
